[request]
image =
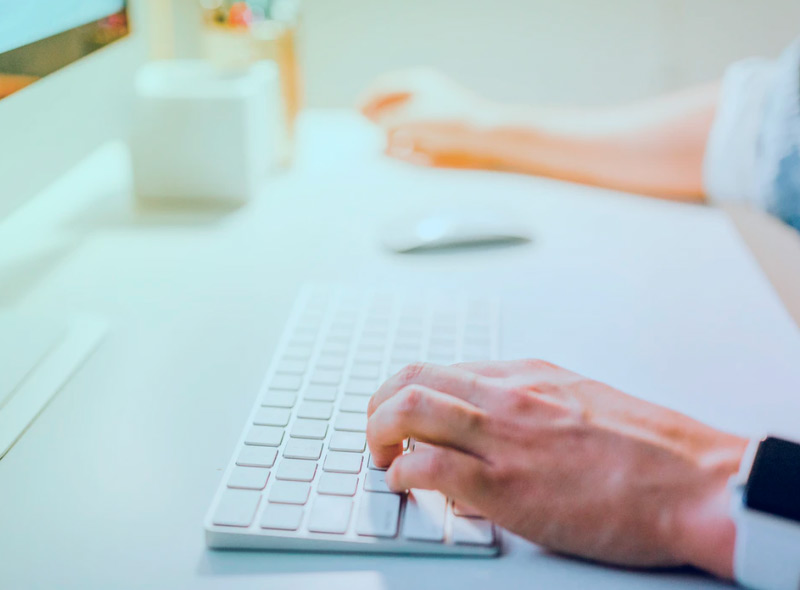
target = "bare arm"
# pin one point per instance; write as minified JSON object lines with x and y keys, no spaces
{"x":653,"y":147}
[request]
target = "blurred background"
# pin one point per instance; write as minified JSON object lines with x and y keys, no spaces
{"x":557,"y":51}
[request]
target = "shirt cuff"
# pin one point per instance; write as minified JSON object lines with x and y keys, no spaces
{"x":729,"y":166}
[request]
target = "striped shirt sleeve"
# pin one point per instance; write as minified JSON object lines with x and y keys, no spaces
{"x":753,"y":151}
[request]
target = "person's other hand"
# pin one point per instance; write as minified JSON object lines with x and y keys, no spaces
{"x":430,"y":119}
{"x":567,"y":462}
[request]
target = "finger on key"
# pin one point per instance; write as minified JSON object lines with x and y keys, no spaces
{"x":466,"y":385}
{"x":455,"y":474}
{"x":426,"y":415}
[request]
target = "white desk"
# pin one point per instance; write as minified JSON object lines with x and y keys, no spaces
{"x":109,"y":486}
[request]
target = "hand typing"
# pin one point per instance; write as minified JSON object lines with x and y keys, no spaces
{"x":567,"y":462}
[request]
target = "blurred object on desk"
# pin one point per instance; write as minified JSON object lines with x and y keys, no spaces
{"x":237,"y":34}
{"x":203,"y":135}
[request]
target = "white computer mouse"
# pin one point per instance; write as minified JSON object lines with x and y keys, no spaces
{"x":455,"y":228}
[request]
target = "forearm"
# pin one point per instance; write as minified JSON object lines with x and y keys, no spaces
{"x":655,"y":147}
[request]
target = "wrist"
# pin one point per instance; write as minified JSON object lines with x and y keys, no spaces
{"x":706,"y":533}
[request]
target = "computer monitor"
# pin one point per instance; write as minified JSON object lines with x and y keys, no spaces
{"x":66,"y":78}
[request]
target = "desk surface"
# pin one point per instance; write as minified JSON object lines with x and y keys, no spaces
{"x":109,"y":486}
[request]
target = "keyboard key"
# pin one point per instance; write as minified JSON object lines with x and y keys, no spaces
{"x":442,"y":351}
{"x":352,"y":442}
{"x":248,"y":478}
{"x":282,"y":517}
{"x":289,"y":492}
{"x":440,"y":341}
{"x":378,"y":318}
{"x":340,"y":334}
{"x":375,"y":481}
{"x":444,"y":332}
{"x":378,"y":515}
{"x":366,"y":370}
{"x":371,"y":465}
{"x":331,"y":361}
{"x":369,"y":356}
{"x":279,"y":399}
{"x":326,"y":377}
{"x":257,"y":456}
{"x":315,"y":410}
{"x":424,"y":516}
{"x":299,"y":353}
{"x":264,"y":436}
{"x":292,"y":367}
{"x":354,"y":403}
{"x":410,"y":329}
{"x":471,"y":339}
{"x":335,"y":347}
{"x":351,"y":422}
{"x":309,"y":429}
{"x":337,"y":484}
{"x":405,"y":357}
{"x":370,"y":346}
{"x":236,"y":508}
{"x":296,"y":470}
{"x":464,"y":510}
{"x":286,"y":382}
{"x":472,"y":531}
{"x":346,"y":316}
{"x":330,"y":514}
{"x":361,"y":386}
{"x":320,"y":393}
{"x":307,"y":327}
{"x":474,"y":330}
{"x":343,"y":462}
{"x":272,"y":417}
{"x":404,"y":343}
{"x":297,"y":448}
{"x":374,"y":333}
{"x":302,"y":340}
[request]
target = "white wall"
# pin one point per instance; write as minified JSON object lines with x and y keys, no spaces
{"x":540,"y":50}
{"x":576,"y":51}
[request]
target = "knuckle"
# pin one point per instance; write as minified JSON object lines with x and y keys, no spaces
{"x":411,"y":372}
{"x":537,"y":364}
{"x":519,"y":399}
{"x":477,"y":478}
{"x":409,"y":400}
{"x":500,"y":473}
{"x":475,"y":419}
{"x":475,"y":382}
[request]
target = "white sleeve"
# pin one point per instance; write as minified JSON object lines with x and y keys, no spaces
{"x":729,"y":167}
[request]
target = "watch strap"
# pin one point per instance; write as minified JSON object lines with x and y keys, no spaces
{"x":767,"y":549}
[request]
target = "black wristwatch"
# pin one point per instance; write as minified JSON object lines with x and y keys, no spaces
{"x":766,"y":510}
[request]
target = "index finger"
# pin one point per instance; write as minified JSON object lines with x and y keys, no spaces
{"x":468,"y":386}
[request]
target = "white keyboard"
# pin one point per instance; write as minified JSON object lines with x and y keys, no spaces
{"x":301,"y":477}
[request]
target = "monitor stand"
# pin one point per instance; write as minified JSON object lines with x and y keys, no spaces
{"x":38,"y":354}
